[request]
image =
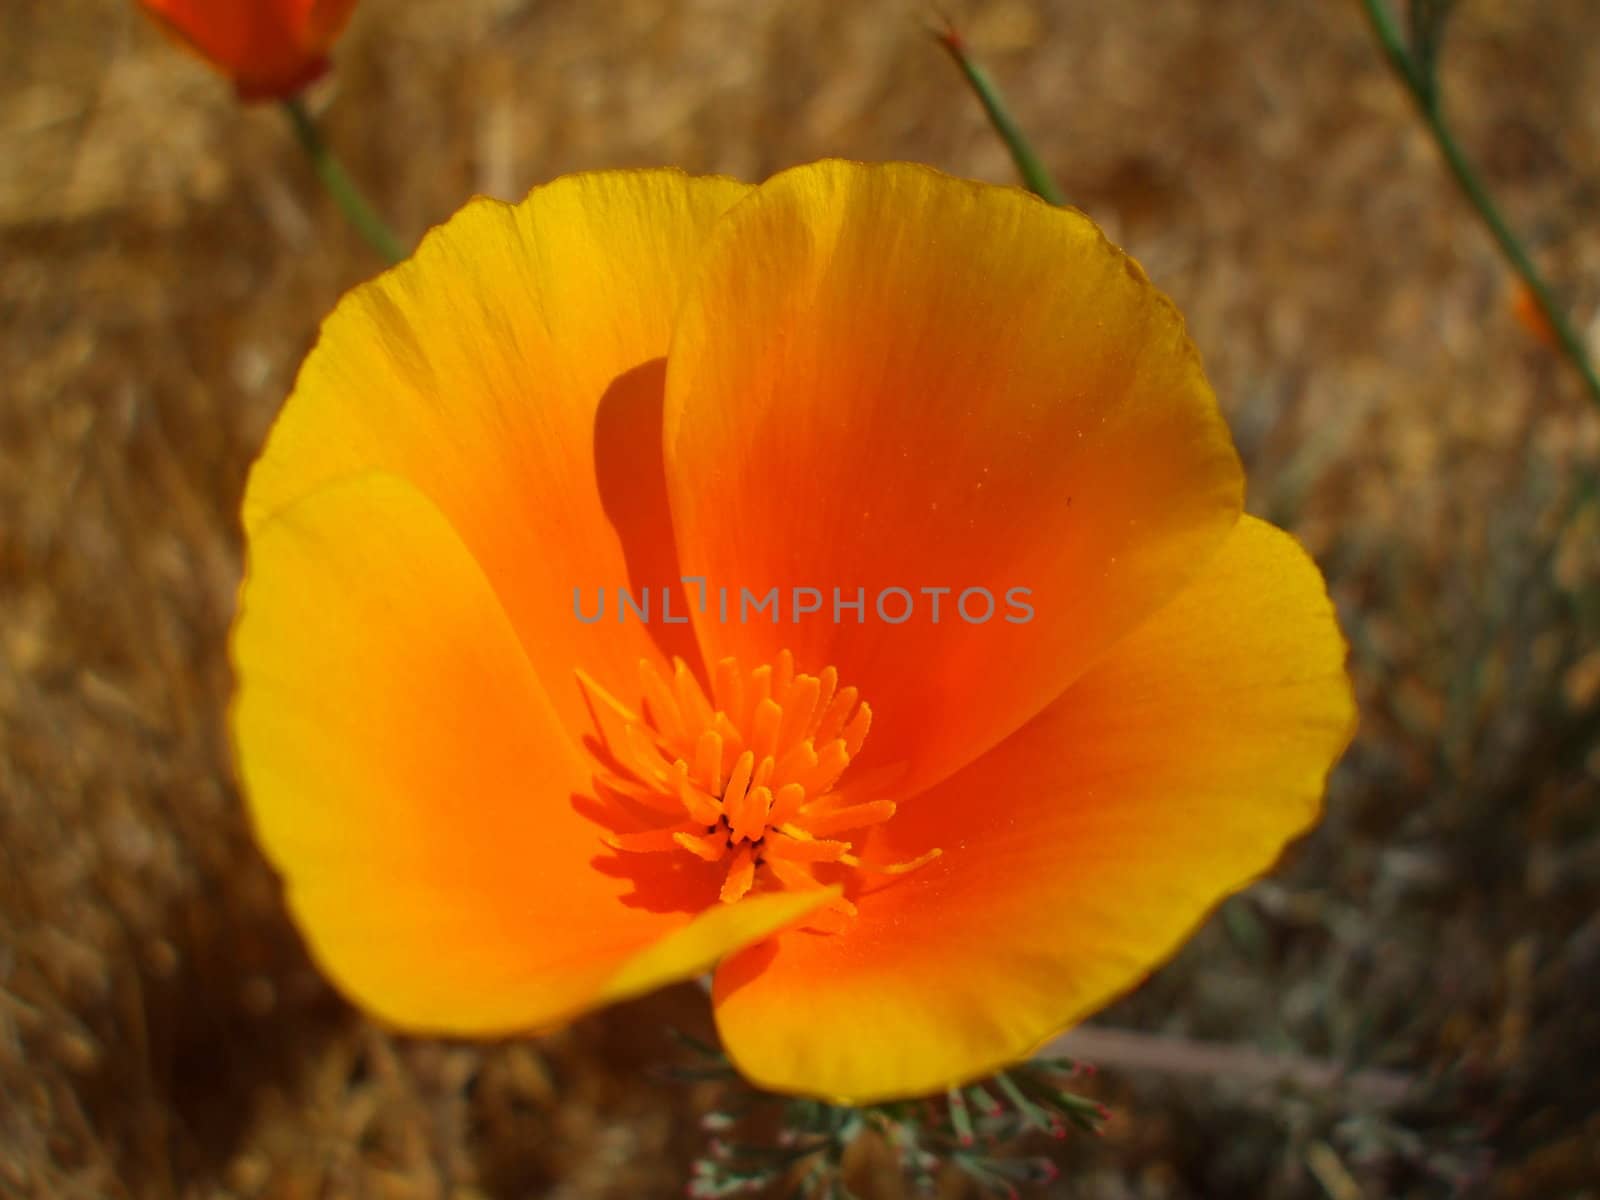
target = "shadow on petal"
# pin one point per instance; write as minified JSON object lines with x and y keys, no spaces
{"x":738,"y":970}
{"x":663,"y":883}
{"x":633,"y":494}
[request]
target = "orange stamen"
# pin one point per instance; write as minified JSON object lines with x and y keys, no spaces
{"x":900,"y":868}
{"x":741,"y":875}
{"x":711,"y":847}
{"x":745,"y":774}
{"x":852,"y":816}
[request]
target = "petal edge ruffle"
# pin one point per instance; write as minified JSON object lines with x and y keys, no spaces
{"x":1078,"y":854}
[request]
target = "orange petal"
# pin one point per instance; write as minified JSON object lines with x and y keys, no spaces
{"x":269,"y":48}
{"x":409,"y":777}
{"x":511,"y":371}
{"x":888,"y":378}
{"x":1078,"y":854}
{"x":936,"y":383}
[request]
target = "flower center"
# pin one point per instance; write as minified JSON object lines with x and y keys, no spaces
{"x":747,"y":776}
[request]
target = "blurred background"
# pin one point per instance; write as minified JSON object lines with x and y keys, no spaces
{"x":1410,"y":1006}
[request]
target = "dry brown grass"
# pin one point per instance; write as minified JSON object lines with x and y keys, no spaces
{"x":165,"y":260}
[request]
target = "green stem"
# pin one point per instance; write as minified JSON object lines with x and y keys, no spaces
{"x":1419,"y":83}
{"x":1033,"y":172}
{"x":340,"y":186}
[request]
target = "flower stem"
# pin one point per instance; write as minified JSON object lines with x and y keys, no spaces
{"x":1421,"y":85}
{"x":340,"y":186}
{"x":1033,"y":172}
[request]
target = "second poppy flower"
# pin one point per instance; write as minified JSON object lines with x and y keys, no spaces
{"x":270,"y":49}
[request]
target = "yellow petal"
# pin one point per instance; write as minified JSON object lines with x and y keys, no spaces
{"x":1077,"y":855}
{"x":888,"y":378}
{"x":409,"y":777}
{"x":511,"y":371}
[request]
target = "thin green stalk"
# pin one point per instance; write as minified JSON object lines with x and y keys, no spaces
{"x":1420,"y":84}
{"x":1033,"y":172}
{"x":340,"y":186}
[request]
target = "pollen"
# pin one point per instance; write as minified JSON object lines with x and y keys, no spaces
{"x":747,"y":776}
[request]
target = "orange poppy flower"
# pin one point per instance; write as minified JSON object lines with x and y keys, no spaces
{"x":269,"y":48}
{"x":914,"y":842}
